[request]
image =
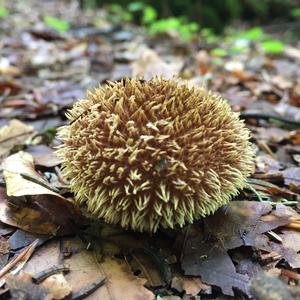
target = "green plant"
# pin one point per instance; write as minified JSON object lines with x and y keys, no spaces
{"x":3,"y":12}
{"x":253,"y":34}
{"x":56,"y":24}
{"x":218,"y":52}
{"x":208,"y":35}
{"x":118,"y":14}
{"x":185,"y":29}
{"x":273,"y":46}
{"x":295,"y":12}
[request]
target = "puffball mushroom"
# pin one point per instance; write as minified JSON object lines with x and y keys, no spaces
{"x":150,"y":154}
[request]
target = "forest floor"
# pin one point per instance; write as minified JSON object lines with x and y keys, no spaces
{"x":250,"y":247}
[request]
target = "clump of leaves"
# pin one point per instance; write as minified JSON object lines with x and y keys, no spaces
{"x":273,"y":46}
{"x":56,"y":24}
{"x":3,"y":12}
{"x":185,"y":29}
{"x":147,"y":15}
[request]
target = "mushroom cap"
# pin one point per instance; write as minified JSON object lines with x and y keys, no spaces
{"x":150,"y":154}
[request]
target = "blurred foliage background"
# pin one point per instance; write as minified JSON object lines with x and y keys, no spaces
{"x":214,"y":14}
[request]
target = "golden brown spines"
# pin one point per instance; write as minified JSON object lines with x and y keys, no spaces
{"x":154,"y":154}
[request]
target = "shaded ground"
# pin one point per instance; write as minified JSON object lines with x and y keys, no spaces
{"x":42,"y":73}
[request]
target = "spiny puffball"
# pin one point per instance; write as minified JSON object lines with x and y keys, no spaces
{"x":151,"y":154}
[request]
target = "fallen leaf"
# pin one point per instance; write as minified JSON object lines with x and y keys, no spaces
{"x":142,"y":264}
{"x":264,"y":286}
{"x":281,"y":82}
{"x":14,"y":266}
{"x":291,"y":175}
{"x":120,"y":282}
{"x":289,"y":248}
{"x":211,"y":262}
{"x":46,"y":256}
{"x":44,"y":156}
{"x":267,"y":164}
{"x":150,"y":64}
{"x":47,"y":212}
{"x":13,"y":134}
{"x":272,"y":134}
{"x":191,"y":285}
{"x":20,"y":239}
{"x":20,"y":289}
{"x":236,"y":224}
{"x":57,"y":285}
{"x":21,"y":178}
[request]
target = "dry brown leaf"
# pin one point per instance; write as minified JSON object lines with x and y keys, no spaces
{"x":44,"y":156}
{"x":57,"y":285}
{"x":142,"y":263}
{"x":209,"y":259}
{"x":191,"y":285}
{"x":120,"y":282}
{"x":18,"y":262}
{"x":13,"y":134}
{"x":29,"y":219}
{"x":46,"y":256}
{"x":292,"y":175}
{"x":21,"y":178}
{"x":21,"y":288}
{"x":290,"y":247}
{"x":47,"y":212}
{"x":150,"y":64}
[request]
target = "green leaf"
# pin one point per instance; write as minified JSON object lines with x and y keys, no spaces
{"x":57,"y":24}
{"x":218,"y":52}
{"x":273,"y":46}
{"x":253,"y":34}
{"x":135,"y":6}
{"x":3,"y":12}
{"x":149,"y":15}
{"x":295,"y":12}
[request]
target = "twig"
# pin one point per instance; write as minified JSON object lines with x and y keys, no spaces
{"x":86,"y":291}
{"x":293,"y":225}
{"x":25,"y":253}
{"x":273,"y":203}
{"x":39,"y":277}
{"x":267,"y":117}
{"x":39,"y":182}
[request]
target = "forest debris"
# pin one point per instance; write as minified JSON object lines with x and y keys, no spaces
{"x":47,"y":213}
{"x":289,"y":248}
{"x":20,"y":239}
{"x":150,"y":64}
{"x":57,"y":285}
{"x":191,"y":285}
{"x":22,"y":289}
{"x":274,"y":236}
{"x":291,"y":175}
{"x":160,"y":262}
{"x":142,"y":263}
{"x":39,"y":277}
{"x":17,"y":263}
{"x":45,"y":256}
{"x":13,"y":134}
{"x":237,"y":224}
{"x":22,"y":179}
{"x":120,"y":282}
{"x":211,"y":261}
{"x":241,"y":223}
{"x":89,"y":289}
{"x":265,"y":287}
{"x":43,"y":156}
